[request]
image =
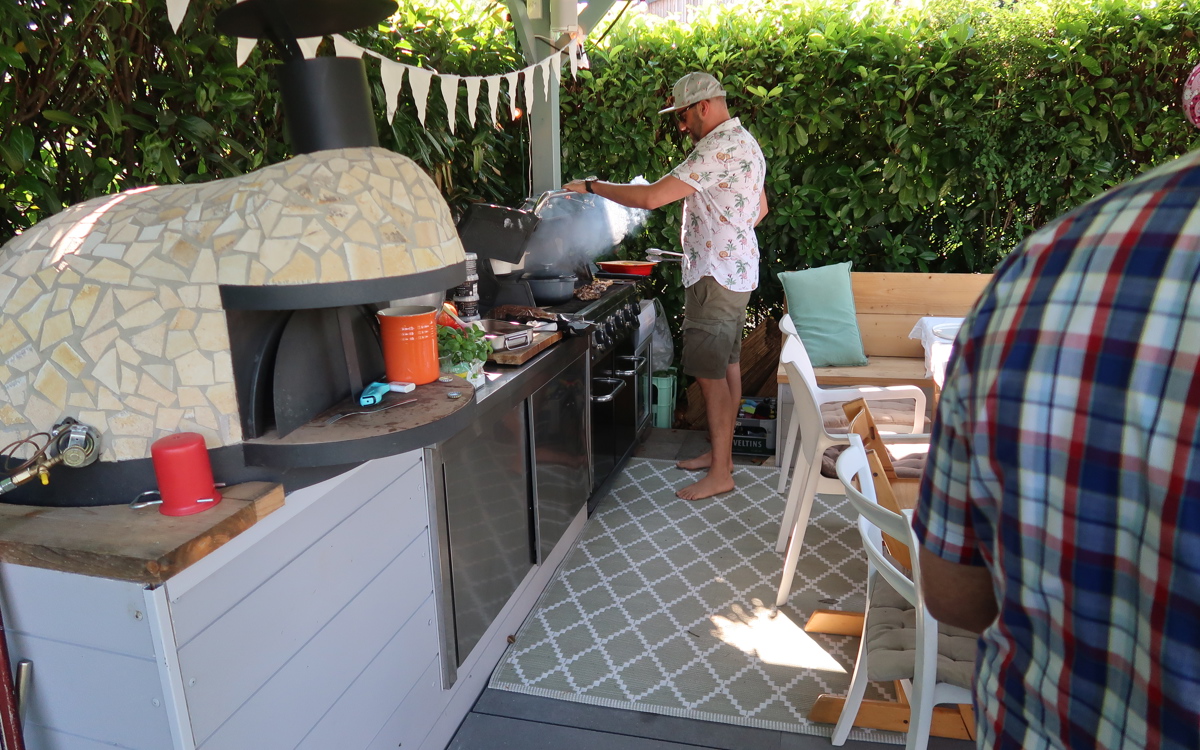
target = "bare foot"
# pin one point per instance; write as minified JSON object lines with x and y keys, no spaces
{"x":709,"y":486}
{"x":699,"y":462}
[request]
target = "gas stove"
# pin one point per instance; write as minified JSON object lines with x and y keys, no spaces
{"x":614,"y":316}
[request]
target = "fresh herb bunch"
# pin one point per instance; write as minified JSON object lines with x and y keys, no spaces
{"x":463,"y":347}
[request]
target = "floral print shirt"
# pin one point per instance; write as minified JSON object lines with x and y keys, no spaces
{"x":727,"y":169}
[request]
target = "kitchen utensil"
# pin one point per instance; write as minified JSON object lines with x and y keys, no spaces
{"x":634,"y":267}
{"x":184,"y":474}
{"x":550,"y":290}
{"x":946,"y":331}
{"x":498,"y":232}
{"x":335,"y":418}
{"x":410,"y":352}
{"x":668,"y":255}
{"x":505,"y":336}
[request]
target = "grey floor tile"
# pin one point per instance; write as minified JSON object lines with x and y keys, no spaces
{"x":624,"y":722}
{"x":483,"y":732}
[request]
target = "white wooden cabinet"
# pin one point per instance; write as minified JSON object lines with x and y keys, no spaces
{"x":314,"y":628}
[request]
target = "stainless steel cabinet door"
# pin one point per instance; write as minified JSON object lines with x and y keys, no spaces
{"x":559,"y":418}
{"x":487,"y":517}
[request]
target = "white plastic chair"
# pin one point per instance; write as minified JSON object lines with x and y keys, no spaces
{"x":874,"y":520}
{"x":803,"y":378}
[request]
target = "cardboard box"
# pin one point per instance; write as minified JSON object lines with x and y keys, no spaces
{"x":754,"y":431}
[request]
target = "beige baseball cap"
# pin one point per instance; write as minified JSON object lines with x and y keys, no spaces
{"x":692,"y":88}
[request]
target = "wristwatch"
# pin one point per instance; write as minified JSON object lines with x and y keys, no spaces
{"x":587,"y":185}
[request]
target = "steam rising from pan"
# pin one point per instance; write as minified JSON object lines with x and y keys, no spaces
{"x":577,"y":229}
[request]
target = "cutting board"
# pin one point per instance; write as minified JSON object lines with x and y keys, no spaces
{"x":541,"y":341}
{"x":115,"y":541}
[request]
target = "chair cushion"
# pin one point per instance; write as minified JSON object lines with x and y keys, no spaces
{"x":891,"y":633}
{"x":889,"y":416}
{"x":911,"y":466}
{"x":821,"y":304}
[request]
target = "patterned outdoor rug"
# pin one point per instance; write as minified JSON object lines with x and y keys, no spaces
{"x":664,"y":606}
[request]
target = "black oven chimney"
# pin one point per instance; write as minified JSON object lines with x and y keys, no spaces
{"x":326,"y":101}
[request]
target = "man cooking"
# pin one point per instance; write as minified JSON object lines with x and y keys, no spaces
{"x":721,"y":185}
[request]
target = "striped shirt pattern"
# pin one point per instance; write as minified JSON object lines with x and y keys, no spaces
{"x":1066,"y":458}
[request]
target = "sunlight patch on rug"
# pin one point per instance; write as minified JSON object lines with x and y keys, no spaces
{"x":664,"y":606}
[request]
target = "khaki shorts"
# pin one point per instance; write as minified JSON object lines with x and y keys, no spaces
{"x":713,"y":319}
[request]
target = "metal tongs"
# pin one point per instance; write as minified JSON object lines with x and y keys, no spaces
{"x":657,"y":255}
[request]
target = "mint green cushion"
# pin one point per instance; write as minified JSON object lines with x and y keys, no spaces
{"x":821,"y":304}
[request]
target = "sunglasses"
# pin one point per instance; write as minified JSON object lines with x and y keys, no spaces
{"x":682,"y":113}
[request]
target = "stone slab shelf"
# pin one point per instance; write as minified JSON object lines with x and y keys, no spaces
{"x":432,"y":418}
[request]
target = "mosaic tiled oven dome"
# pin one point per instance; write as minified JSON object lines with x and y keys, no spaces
{"x":114,"y":309}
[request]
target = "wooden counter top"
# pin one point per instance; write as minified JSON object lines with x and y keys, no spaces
{"x":115,"y":541}
{"x":370,"y":432}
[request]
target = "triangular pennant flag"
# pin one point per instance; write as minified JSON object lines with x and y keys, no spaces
{"x":573,"y":52}
{"x":309,"y":44}
{"x":493,"y":83}
{"x":343,"y":47}
{"x":528,"y":73}
{"x":545,"y":66}
{"x":450,"y":94}
{"x":392,"y":75}
{"x":472,"y":96}
{"x":512,"y":93}
{"x":244,"y":48}
{"x":419,"y":80}
{"x":176,"y":10}
{"x":557,"y":67}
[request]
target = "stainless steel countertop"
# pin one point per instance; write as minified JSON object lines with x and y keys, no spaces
{"x":506,"y":379}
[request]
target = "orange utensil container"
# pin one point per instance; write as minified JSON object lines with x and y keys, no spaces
{"x":410,"y":352}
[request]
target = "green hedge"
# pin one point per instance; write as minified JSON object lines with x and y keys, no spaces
{"x":97,"y":96}
{"x":902,"y":140}
{"x":925,"y":139}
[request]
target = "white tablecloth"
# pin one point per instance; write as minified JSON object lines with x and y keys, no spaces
{"x":937,"y":349}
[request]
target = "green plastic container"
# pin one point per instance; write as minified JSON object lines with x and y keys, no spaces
{"x":662,"y":385}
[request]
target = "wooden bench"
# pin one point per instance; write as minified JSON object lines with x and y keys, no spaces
{"x":888,"y":305}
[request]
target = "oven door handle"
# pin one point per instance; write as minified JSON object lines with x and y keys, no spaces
{"x":608,"y":396}
{"x":637,"y":362}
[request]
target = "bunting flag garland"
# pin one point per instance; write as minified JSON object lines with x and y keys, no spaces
{"x":472,"y":96}
{"x":392,"y":73}
{"x":450,"y":95}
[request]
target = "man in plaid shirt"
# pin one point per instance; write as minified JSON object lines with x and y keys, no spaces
{"x":1060,"y":508}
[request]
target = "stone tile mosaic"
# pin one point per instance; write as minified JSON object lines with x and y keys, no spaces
{"x":663,"y":606}
{"x":110,"y":310}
